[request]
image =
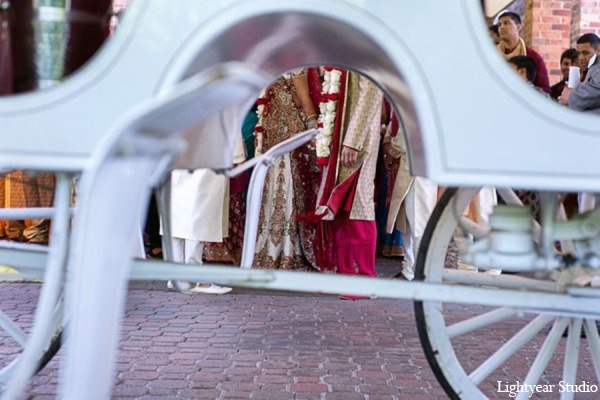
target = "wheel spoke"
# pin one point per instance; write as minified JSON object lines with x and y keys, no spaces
{"x":479,"y":321}
{"x":591,"y":331}
{"x":544,"y":355}
{"x":13,"y":329}
{"x":509,"y":348}
{"x":571,"y":356}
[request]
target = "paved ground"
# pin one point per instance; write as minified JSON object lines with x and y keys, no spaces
{"x":268,"y":345}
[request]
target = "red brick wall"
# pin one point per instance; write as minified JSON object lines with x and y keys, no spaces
{"x":547,"y":30}
{"x":552,"y":26}
{"x":590,"y":17}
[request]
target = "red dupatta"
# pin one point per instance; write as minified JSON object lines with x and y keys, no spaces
{"x":334,"y":197}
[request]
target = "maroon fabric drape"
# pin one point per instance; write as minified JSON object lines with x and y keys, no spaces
{"x":6,"y":68}
{"x":324,"y":242}
{"x":88,"y":30}
{"x":22,"y":46}
{"x":85,"y":33}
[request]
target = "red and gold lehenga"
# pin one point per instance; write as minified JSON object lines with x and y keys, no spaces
{"x":291,"y":185}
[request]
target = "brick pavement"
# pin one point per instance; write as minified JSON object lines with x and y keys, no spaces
{"x":269,"y":345}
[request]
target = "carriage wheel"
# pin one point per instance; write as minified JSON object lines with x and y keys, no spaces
{"x":13,"y":338}
{"x":520,"y":346}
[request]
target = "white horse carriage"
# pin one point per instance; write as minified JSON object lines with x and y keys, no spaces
{"x":134,"y":112}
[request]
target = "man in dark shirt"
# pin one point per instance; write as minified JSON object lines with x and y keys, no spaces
{"x":511,"y":44}
{"x":588,"y":45}
{"x":569,"y":58}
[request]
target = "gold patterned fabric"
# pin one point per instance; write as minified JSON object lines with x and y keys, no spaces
{"x":284,"y":242}
{"x":362,"y":119}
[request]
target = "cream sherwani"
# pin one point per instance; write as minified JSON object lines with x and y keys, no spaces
{"x":364,"y":102}
{"x":200,"y":202}
{"x":413,"y":201}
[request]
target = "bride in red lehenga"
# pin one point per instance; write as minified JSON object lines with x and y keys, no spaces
{"x":286,"y":109}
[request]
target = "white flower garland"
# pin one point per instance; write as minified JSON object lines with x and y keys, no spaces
{"x":327,"y":112}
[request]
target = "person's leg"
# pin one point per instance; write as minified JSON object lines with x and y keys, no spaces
{"x":356,"y":244}
{"x":364,"y":245}
{"x":419,"y":204}
{"x":194,"y":251}
{"x":152,"y":230}
{"x":37,"y":231}
{"x":14,"y":229}
{"x":410,"y":254}
{"x":179,"y":256}
{"x":345,"y":259}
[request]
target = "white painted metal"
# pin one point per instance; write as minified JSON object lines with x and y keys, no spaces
{"x":591,"y":330}
{"x":27,"y":213}
{"x":509,"y":348}
{"x":502,"y":281}
{"x":120,"y":171}
{"x":169,"y":51}
{"x":544,"y":356}
{"x":94,"y":273}
{"x":395,"y":289}
{"x":571,"y":357}
{"x":52,"y":334}
{"x":12,"y":329}
{"x":471,"y":324}
{"x":50,"y":294}
{"x":184,"y":38}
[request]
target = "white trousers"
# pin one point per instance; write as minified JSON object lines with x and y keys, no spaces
{"x":418,"y":204}
{"x":187,"y":251}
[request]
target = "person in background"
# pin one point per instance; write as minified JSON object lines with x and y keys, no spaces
{"x":199,"y":214}
{"x":412,"y":203}
{"x":569,"y":58}
{"x":346,"y":201}
{"x":511,"y":44}
{"x":230,"y":250}
{"x":525,"y":67}
{"x":286,"y":109}
{"x":388,"y":244}
{"x":494,"y":35}
{"x":586,"y":97}
{"x":588,"y":46}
